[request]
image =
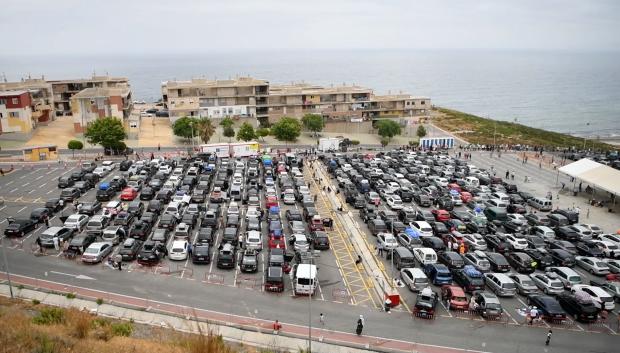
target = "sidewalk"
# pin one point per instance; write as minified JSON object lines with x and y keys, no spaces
{"x":247,"y":330}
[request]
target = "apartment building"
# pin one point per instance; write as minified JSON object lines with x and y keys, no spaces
{"x":399,"y":105}
{"x":16,"y":112}
{"x":97,"y":102}
{"x":242,"y":97}
{"x":64,"y":90}
{"x":41,"y":96}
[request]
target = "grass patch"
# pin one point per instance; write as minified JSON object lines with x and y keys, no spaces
{"x":123,"y":329}
{"x":49,"y":316}
{"x":478,"y":130}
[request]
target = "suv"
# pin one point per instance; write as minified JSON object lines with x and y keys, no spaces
{"x":488,"y":304}
{"x":226,"y":256}
{"x":469,"y":278}
{"x":478,"y":259}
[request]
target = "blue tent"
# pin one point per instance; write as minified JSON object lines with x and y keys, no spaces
{"x":104,"y":186}
{"x":274,"y":209}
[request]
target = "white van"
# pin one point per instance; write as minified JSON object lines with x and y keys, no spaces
{"x":500,"y":284}
{"x":174,"y":208}
{"x":541,"y":204}
{"x":472,"y":182}
{"x":425,"y":256}
{"x":567,"y":275}
{"x":304,"y":279}
{"x":501,"y":196}
{"x":544,"y":232}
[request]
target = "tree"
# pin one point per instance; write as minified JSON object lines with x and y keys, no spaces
{"x":246,"y":132}
{"x":205,"y":128}
{"x":226,"y":122}
{"x":229,"y":132}
{"x":384,"y":141}
{"x":75,"y":145}
{"x":313,"y":122}
{"x":263,"y":132}
{"x":388,"y":129}
{"x":287,"y":129}
{"x":107,"y":132}
{"x":421,"y":131}
{"x":185,"y":126}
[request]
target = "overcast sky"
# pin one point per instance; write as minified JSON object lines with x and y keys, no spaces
{"x":178,"y":26}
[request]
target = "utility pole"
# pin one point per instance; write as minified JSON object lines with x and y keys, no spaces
{"x":494,"y":133}
{"x":585,"y":137}
{"x":6,"y":261}
{"x":310,"y":308}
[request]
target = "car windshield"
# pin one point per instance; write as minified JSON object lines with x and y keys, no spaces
{"x":91,"y":251}
{"x":556,"y":284}
{"x":601,"y":264}
{"x":574,"y":279}
{"x":493,"y":306}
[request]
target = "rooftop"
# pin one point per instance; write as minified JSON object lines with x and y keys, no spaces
{"x":308,"y":89}
{"x":12,"y":93}
{"x":394,"y":97}
{"x":92,"y":79}
{"x":205,"y":83}
{"x":99,"y":92}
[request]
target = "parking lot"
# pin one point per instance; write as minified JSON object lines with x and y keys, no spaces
{"x":515,"y":307}
{"x":339,"y":280}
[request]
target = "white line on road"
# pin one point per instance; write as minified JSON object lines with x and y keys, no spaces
{"x":51,"y":191}
{"x":12,"y":191}
{"x":26,"y":184}
{"x":31,"y":191}
{"x":42,"y":185}
{"x":10,"y":182}
{"x":39,"y":177}
{"x":2,"y":208}
{"x":72,"y":275}
{"x":23,"y":208}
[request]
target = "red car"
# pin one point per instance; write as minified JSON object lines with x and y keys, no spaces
{"x":457,"y":300}
{"x":466,"y":196}
{"x":129,"y":194}
{"x":454,"y":186}
{"x":271,"y":201}
{"x":316,"y":223}
{"x":276,"y":242}
{"x":441,"y":215}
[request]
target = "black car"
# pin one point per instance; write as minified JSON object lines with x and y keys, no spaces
{"x":422,"y":199}
{"x":105,"y":195}
{"x":542,"y":257}
{"x":151,"y":253}
{"x":452,"y":259}
{"x":136,"y":208}
{"x":147,"y":193}
{"x":445,"y":203}
{"x":425,"y":215}
{"x":564,"y":245}
{"x":78,"y":175}
{"x":512,"y":226}
{"x":160,"y":235}
{"x":320,"y":240}
{"x":65,"y":182}
{"x":434,"y":243}
{"x":369,"y":212}
{"x":583,"y":310}
{"x":118,"y":183}
{"x":69,"y":194}
{"x":20,"y":227}
{"x":535,"y":219}
{"x":516,"y":208}
{"x":129,"y":249}
{"x":572,"y":216}
{"x":53,"y":204}
{"x":149,"y":217}
{"x":199,"y":196}
{"x":439,"y":229}
{"x":469,"y":279}
{"x":80,"y":242}
{"x":249,"y":261}
{"x":140,"y":230}
{"x":164,"y":195}
{"x":39,"y":214}
{"x":90,"y":208}
{"x":205,"y":235}
{"x":155,"y":206}
{"x":226,"y":256}
{"x":406,"y":215}
{"x":167,"y":221}
{"x":589,"y":248}
{"x":191,"y":218}
{"x":547,"y":306}
{"x":562,"y":257}
{"x":566,"y":233}
{"x":498,"y":262}
{"x":124,"y":165}
{"x":521,"y":262}
{"x":201,"y":253}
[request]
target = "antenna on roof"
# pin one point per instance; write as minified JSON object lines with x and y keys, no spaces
{"x":4,"y":77}
{"x":29,"y":77}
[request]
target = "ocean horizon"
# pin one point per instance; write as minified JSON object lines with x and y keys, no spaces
{"x":563,"y":91}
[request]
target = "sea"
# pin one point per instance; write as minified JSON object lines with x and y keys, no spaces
{"x":563,"y":91}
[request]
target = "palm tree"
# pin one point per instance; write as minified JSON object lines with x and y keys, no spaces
{"x":205,"y":129}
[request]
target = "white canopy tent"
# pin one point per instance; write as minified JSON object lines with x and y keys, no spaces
{"x":598,"y":176}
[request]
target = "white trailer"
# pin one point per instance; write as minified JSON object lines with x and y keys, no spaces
{"x":244,"y":149}
{"x":219,"y":149}
{"x":329,"y":144}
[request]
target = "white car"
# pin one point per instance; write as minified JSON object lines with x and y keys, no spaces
{"x":175,"y":180}
{"x":166,"y":169}
{"x":297,"y":227}
{"x":593,"y":265}
{"x":101,"y":172}
{"x":233,"y":209}
{"x":252,"y":212}
{"x":423,"y":228}
{"x":289,"y":198}
{"x":596,"y":230}
{"x":584,"y":233}
{"x":387,"y":241}
{"x":76,"y":221}
{"x":441,"y":182}
{"x":96,"y":252}
{"x":178,"y":250}
{"x":608,"y":248}
{"x":614,"y":265}
{"x":610,"y":237}
{"x":475,"y":241}
{"x":519,"y":218}
{"x":548,"y":283}
{"x":599,"y":296}
{"x":515,"y":242}
{"x":394,"y":202}
{"x":111,"y":165}
{"x":300,"y":242}
{"x":254,"y":240}
{"x":392,"y":187}
{"x":177,"y":172}
{"x":303,"y":190}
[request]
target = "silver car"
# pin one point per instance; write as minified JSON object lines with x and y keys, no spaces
{"x":96,"y":252}
{"x":548,"y":283}
{"x":593,"y":265}
{"x":297,"y":227}
{"x":525,"y":285}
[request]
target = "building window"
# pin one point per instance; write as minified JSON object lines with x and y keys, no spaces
{"x":133,"y":124}
{"x":14,"y":114}
{"x":1,"y":116}
{"x":422,"y":102}
{"x":15,"y":101}
{"x":2,"y":101}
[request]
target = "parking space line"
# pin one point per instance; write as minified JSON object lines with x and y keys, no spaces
{"x":21,"y":209}
{"x":12,"y":191}
{"x":42,"y":185}
{"x":447,"y":310}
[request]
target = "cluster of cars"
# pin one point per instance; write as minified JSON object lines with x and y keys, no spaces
{"x":176,"y":207}
{"x":445,"y":222}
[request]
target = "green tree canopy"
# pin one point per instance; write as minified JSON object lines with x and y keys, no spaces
{"x":107,"y":132}
{"x":388,"y":128}
{"x":226,"y":122}
{"x":421,"y":131}
{"x":183,"y":127}
{"x":246,"y":132}
{"x":385,"y":141}
{"x":263,"y":132}
{"x":206,"y":130}
{"x":313,"y":122}
{"x":286,"y":129}
{"x":229,"y":132}
{"x":75,"y":145}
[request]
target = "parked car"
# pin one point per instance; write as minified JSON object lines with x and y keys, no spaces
{"x":547,"y":306}
{"x":96,"y":252}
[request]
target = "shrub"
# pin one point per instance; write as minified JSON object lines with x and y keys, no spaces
{"x":80,"y":322}
{"x":49,"y":316}
{"x":36,"y":301}
{"x":99,"y":301}
{"x":122,"y":329}
{"x":70,"y":296}
{"x":354,"y":142}
{"x":20,"y":287}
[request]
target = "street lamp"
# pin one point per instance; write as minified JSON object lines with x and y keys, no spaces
{"x":585,"y":137}
{"x":6,"y":262}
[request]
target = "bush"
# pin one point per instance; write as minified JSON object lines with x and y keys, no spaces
{"x":354,"y":142}
{"x":36,"y":301}
{"x":99,"y":301}
{"x":70,"y":296}
{"x":80,"y":323}
{"x":412,"y":143}
{"x":122,"y":329}
{"x":49,"y":316}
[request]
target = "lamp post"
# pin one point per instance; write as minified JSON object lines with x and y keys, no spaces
{"x":6,"y":262}
{"x":310,"y":308}
{"x":585,"y":137}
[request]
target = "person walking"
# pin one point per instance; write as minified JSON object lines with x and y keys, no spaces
{"x":360,"y":325}
{"x":322,"y":319}
{"x":189,"y":250}
{"x":507,"y":174}
{"x":513,"y":175}
{"x":61,"y":203}
{"x":38,"y":242}
{"x":548,"y":337}
{"x":118,"y":258}
{"x":56,"y":243}
{"x":46,"y":219}
{"x":450,"y":245}
{"x":277,"y":326}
